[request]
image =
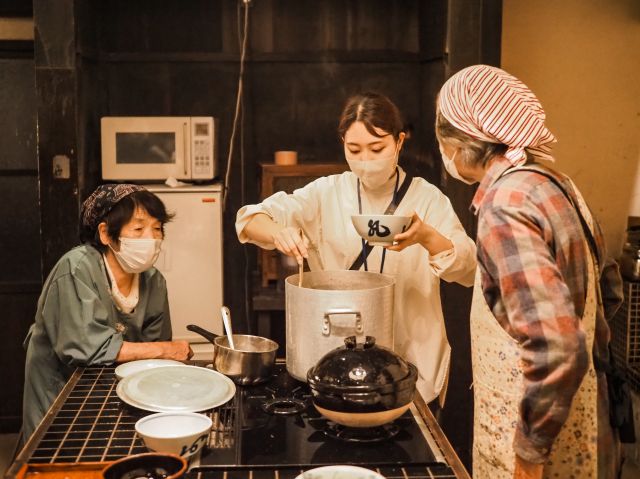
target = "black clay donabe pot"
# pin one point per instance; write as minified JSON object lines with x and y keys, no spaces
{"x":361,"y":384}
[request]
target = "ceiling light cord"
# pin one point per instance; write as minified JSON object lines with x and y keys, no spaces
{"x":243,"y":52}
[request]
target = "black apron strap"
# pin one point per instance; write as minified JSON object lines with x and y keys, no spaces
{"x":585,"y":227}
{"x":391,"y":209}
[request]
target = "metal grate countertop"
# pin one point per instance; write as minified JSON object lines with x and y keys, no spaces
{"x":94,"y":425}
{"x":406,"y":472}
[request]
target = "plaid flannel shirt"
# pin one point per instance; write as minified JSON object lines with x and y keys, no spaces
{"x":533,"y":260}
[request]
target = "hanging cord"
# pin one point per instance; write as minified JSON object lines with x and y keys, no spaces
{"x":242,"y":33}
{"x":243,"y":52}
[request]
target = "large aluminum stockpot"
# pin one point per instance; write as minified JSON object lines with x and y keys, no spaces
{"x":331,"y":305}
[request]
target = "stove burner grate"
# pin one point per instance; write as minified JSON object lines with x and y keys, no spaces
{"x":284,"y":406}
{"x":361,"y":434}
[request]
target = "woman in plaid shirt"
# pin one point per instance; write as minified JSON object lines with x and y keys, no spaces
{"x":542,"y":297}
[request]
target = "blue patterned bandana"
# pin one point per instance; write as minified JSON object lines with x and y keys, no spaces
{"x":100,"y":202}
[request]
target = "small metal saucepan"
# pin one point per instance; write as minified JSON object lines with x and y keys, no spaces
{"x":251,"y":362}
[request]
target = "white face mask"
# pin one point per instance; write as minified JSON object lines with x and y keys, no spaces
{"x":137,"y":254}
{"x":374,"y":173}
{"x":451,"y":167}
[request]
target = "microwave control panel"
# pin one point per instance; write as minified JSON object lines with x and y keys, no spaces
{"x":202,"y":147}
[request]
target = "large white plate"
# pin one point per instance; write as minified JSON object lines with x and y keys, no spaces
{"x":176,"y":388}
{"x":125,"y":369}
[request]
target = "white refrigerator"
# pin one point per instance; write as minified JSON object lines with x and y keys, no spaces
{"x":191,"y":261}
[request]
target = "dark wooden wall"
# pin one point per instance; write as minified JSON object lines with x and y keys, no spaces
{"x":472,"y":36}
{"x":20,"y":273}
{"x":305,"y":58}
{"x":177,"y":57}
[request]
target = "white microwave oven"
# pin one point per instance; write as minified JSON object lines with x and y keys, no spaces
{"x":141,"y":148}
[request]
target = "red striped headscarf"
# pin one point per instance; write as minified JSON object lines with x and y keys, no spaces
{"x":491,"y":105}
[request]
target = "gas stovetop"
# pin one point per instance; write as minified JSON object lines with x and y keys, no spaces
{"x":270,"y":429}
{"x":277,"y":424}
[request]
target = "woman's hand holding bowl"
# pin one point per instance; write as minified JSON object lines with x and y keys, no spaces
{"x":423,"y":234}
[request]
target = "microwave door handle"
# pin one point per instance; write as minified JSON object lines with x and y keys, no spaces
{"x":187,"y":157}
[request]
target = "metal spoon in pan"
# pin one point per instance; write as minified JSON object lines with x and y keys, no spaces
{"x":226,"y":320}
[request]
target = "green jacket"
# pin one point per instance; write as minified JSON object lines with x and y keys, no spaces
{"x":78,"y":324}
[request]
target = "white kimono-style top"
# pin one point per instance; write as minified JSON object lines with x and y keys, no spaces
{"x":323,"y":209}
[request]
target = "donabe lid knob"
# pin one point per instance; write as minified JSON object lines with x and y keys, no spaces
{"x":369,"y":342}
{"x":350,"y":342}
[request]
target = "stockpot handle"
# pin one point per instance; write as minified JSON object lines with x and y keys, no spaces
{"x":326,"y":322}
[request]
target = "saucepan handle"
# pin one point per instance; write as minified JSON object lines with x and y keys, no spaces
{"x":202,"y":332}
{"x":326,"y":322}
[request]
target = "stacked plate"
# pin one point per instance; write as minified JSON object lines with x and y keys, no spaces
{"x":126,"y":369}
{"x":171,"y":388}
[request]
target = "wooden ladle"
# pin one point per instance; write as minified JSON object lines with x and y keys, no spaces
{"x":300,"y":272}
{"x":301,"y":265}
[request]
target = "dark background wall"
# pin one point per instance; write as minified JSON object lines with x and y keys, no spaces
{"x":20,"y":271}
{"x":305,"y":58}
{"x":176,"y":57}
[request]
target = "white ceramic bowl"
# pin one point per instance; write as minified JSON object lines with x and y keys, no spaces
{"x":379,"y":230}
{"x":340,"y":472}
{"x":180,"y":433}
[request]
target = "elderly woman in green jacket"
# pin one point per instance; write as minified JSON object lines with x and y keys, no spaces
{"x":103,"y":302}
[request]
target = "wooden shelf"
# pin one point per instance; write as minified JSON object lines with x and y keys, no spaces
{"x":287,"y":178}
{"x":271,"y":170}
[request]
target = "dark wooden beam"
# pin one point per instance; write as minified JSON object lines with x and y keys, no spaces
{"x":474,"y":29}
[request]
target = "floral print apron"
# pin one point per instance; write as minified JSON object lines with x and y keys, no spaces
{"x":498,"y":386}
